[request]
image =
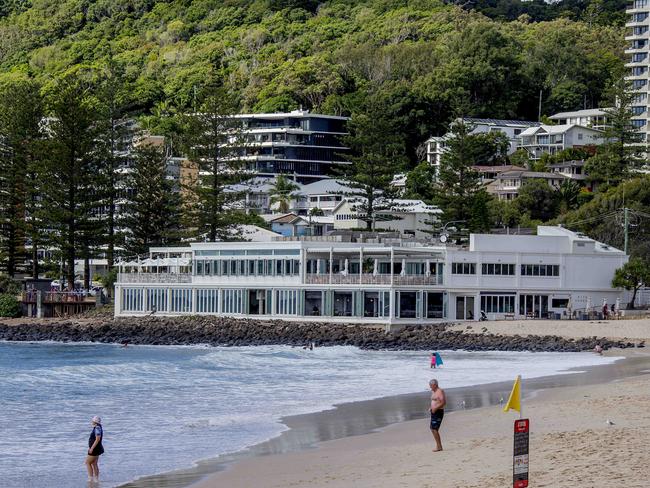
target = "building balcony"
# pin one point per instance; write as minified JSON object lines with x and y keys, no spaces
{"x":372,"y":279}
{"x":127,"y":278}
{"x":634,"y":37}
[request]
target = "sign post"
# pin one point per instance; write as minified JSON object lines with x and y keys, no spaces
{"x":520,"y":454}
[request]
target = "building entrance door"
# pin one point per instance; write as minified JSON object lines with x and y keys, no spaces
{"x":257,"y":302}
{"x":533,"y":306}
{"x":464,"y":308}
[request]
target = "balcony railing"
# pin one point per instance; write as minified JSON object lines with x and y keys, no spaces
{"x":154,"y":278}
{"x":371,"y":279}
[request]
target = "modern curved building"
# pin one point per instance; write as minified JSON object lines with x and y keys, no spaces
{"x":301,"y":144}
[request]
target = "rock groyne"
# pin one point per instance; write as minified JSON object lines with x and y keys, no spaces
{"x":219,"y":331}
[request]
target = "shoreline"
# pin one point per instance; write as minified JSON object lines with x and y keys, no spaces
{"x":225,"y":331}
{"x":571,"y":445}
{"x":307,"y":432}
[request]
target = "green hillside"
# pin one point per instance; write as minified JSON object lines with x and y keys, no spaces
{"x":428,"y":61}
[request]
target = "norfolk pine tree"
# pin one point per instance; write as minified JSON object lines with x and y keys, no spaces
{"x":116,"y":132}
{"x":458,"y":183}
{"x":214,"y":138}
{"x":21,"y":143}
{"x":622,"y":152}
{"x":378,"y":154}
{"x":153,"y":211}
{"x":70,"y":172}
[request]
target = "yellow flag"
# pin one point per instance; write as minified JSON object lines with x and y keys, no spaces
{"x":514,"y":402}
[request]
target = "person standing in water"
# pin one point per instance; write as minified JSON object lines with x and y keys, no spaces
{"x":437,"y":408}
{"x":433,"y":360}
{"x":95,"y":449}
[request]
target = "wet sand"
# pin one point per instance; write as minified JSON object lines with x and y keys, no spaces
{"x":334,"y":448}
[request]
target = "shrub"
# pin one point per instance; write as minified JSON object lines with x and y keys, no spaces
{"x":9,"y":285}
{"x":9,"y":306}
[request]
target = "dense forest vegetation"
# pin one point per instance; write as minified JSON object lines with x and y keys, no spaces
{"x":426,"y":59}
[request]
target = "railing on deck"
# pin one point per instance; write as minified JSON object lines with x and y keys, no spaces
{"x":371,"y":279}
{"x":57,"y":297}
{"x":154,"y":278}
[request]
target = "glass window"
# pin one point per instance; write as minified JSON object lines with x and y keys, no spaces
{"x":540,"y":270}
{"x":343,"y":304}
{"x":232,"y":301}
{"x":498,"y":303}
{"x":287,"y":302}
{"x":181,"y":300}
{"x":559,"y":302}
{"x":156,"y":300}
{"x":206,"y":301}
{"x":498,"y":269}
{"x":132,"y":299}
{"x":408,"y":304}
{"x":463,"y":268}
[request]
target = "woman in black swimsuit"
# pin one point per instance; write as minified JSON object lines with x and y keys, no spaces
{"x":95,"y":449}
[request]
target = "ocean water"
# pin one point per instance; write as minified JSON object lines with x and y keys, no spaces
{"x":165,"y":407}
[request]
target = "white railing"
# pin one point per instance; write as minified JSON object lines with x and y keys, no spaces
{"x":370,"y":279}
{"x":154,"y":278}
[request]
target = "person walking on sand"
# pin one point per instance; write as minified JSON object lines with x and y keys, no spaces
{"x":438,"y":402}
{"x":95,"y":449}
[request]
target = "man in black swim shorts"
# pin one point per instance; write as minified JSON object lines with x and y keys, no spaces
{"x":437,"y":409}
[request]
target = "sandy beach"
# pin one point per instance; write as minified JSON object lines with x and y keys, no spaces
{"x":572,"y":444}
{"x":629,"y":329}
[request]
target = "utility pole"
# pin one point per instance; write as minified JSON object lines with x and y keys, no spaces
{"x":626,"y":224}
{"x":539,"y":112}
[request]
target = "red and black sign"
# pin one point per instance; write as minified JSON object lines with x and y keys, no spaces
{"x":520,"y":454}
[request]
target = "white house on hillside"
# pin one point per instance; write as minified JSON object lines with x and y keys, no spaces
{"x":506,"y":185}
{"x":408,"y":217}
{"x":552,"y":139}
{"x":436,"y":146}
{"x":596,"y":118}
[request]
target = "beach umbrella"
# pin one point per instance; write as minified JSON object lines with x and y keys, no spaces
{"x":375,"y":267}
{"x":345,"y":267}
{"x":588,"y":307}
{"x":403,"y":272}
{"x":428,"y":270}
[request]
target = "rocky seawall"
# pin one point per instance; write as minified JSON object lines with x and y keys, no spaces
{"x":218,"y":331}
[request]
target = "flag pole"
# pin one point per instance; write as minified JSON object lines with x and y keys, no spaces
{"x":521,"y":397}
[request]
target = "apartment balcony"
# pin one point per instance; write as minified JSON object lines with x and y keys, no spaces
{"x":634,"y":64}
{"x":149,"y":278}
{"x":631,"y":36}
{"x":372,"y":279}
{"x":635,"y":50}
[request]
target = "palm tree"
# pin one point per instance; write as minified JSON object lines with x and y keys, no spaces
{"x":568,"y":193}
{"x":283,"y":192}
